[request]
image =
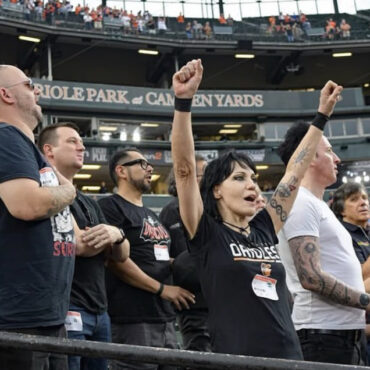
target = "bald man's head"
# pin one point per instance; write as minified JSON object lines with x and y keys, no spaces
{"x":18,"y":98}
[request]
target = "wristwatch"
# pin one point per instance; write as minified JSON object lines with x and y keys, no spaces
{"x":123,"y":237}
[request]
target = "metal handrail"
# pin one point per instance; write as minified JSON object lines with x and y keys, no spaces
{"x":131,"y":353}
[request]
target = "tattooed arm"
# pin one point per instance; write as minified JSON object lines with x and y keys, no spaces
{"x":306,"y":255}
{"x":283,"y":198}
{"x":26,"y":200}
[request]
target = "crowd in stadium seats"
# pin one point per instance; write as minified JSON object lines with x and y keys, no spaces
{"x":296,"y":27}
{"x":291,"y":27}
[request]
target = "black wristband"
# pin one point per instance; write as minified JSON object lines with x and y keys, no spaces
{"x":320,"y":121}
{"x":123,"y":237}
{"x":183,"y":105}
{"x":160,"y":290}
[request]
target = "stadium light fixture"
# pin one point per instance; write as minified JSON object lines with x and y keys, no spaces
{"x":244,"y":56}
{"x":232,"y":126}
{"x":28,"y":38}
{"x":341,"y":55}
{"x":106,"y":136}
{"x":90,"y":188}
{"x":82,"y":176}
{"x":228,"y":131}
{"x":262,"y":167}
{"x":92,"y":167}
{"x":149,"y":124}
{"x":108,"y":128}
{"x":148,"y":52}
{"x":367,"y":84}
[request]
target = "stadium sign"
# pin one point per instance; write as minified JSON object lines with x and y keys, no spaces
{"x":136,"y":100}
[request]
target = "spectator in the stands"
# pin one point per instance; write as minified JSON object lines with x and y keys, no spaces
{"x":222,"y":19}
{"x":197,"y":29}
{"x":330,"y":28}
{"x":207,"y":30}
{"x":161,"y":25}
{"x":345,"y":29}
{"x":272,"y":22}
{"x":189,"y":30}
{"x":289,"y":32}
{"x":88,"y":21}
{"x":281,"y":17}
{"x":180,"y":19}
{"x":230,"y":20}
{"x":150,"y":25}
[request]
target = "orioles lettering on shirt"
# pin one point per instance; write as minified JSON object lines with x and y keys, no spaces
{"x":261,"y":252}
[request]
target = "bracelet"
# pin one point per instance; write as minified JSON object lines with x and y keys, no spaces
{"x":320,"y":121}
{"x":183,"y":105}
{"x":160,"y":290}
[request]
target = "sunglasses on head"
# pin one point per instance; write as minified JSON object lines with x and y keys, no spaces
{"x":143,"y":163}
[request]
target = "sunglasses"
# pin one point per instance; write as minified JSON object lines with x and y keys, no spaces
{"x":143,"y":163}
{"x":27,"y":82}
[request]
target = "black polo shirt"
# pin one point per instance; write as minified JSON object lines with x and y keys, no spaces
{"x":360,"y":240}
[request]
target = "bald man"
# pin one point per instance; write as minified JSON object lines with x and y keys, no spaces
{"x":37,"y":242}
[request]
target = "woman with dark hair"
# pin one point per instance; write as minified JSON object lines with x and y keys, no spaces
{"x":242,"y":277}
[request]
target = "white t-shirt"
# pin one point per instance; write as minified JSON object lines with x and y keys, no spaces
{"x":311,"y":216}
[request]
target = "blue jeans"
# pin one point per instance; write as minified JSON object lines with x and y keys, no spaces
{"x":95,"y":327}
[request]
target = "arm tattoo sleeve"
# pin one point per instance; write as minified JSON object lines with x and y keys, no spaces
{"x":62,"y":196}
{"x":306,"y":254}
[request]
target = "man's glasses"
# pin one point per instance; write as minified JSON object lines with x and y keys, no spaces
{"x":143,"y":163}
{"x":27,"y":82}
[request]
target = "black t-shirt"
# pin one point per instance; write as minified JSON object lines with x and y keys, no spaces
{"x":149,"y":249}
{"x":88,"y":285}
{"x":360,"y":240}
{"x":184,"y":270}
{"x":233,"y":270}
{"x":361,"y":244}
{"x":36,"y":257}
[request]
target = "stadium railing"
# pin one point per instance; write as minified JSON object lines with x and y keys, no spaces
{"x":131,"y":353}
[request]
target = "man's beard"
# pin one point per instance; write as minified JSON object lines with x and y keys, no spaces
{"x":140,"y":185}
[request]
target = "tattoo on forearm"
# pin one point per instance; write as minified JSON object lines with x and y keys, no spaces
{"x":301,"y":155}
{"x":306,"y":255}
{"x":279,"y":209}
{"x":62,"y":196}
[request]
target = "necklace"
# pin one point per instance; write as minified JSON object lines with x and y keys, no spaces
{"x":242,"y":230}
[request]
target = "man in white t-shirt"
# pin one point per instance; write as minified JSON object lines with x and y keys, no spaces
{"x":323,"y":273}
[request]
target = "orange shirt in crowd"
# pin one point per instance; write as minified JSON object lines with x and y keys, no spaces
{"x":272,"y":20}
{"x":222,"y":19}
{"x":78,"y":9}
{"x":180,"y":19}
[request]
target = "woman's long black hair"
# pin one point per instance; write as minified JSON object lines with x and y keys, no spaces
{"x":216,"y":172}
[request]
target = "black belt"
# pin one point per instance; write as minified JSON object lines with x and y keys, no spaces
{"x":353,"y":335}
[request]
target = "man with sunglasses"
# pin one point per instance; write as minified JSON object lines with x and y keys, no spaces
{"x":37,"y":243}
{"x":87,"y":317}
{"x":139,"y":290}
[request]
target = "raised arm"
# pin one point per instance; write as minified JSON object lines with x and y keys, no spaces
{"x":306,"y":255}
{"x":283,"y":198}
{"x":185,"y":84}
